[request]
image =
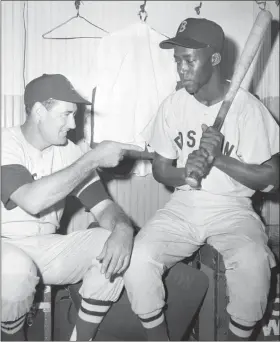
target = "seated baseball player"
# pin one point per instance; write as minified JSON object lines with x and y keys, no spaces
{"x":235,"y":162}
{"x":40,"y":167}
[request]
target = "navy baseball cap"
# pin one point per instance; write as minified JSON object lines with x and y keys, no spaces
{"x":196,"y":33}
{"x":51,"y":86}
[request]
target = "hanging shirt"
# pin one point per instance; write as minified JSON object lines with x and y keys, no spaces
{"x":134,"y":77}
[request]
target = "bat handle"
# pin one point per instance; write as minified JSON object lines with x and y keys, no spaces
{"x":194,"y":180}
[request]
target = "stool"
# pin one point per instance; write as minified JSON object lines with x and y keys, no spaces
{"x":212,"y":324}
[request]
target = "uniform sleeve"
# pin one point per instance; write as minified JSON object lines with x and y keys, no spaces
{"x":158,"y":134}
{"x":259,"y":135}
{"x":91,"y":191}
{"x":14,"y":173}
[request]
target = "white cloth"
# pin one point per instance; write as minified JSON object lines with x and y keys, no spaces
{"x":134,"y":77}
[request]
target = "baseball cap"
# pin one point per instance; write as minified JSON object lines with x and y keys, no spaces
{"x":196,"y":33}
{"x":51,"y":86}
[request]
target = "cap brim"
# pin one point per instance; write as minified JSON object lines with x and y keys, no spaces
{"x":187,"y":43}
{"x":80,"y":100}
{"x":73,"y":97}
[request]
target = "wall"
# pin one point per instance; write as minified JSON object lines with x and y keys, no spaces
{"x":266,"y":86}
{"x":76,"y":59}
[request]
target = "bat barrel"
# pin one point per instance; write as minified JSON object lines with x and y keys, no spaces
{"x":252,"y":45}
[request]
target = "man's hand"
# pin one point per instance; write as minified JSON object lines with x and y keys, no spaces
{"x":211,"y":141}
{"x":198,"y":162}
{"x":116,"y":253}
{"x":110,"y":153}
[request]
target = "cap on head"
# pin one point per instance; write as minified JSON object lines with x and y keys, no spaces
{"x":196,"y":33}
{"x":53,"y":86}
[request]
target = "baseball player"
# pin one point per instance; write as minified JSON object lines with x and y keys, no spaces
{"x":40,"y":167}
{"x":235,"y":162}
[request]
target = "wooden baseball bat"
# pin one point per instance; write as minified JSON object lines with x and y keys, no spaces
{"x":252,"y":45}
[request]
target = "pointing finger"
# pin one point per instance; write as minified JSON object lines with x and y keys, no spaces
{"x":131,"y":147}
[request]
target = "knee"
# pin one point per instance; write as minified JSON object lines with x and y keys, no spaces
{"x":19,"y":279}
{"x":253,"y":259}
{"x":251,"y":266}
{"x":16,"y":264}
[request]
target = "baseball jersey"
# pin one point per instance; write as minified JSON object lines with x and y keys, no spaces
{"x":251,"y":135}
{"x":21,"y":164}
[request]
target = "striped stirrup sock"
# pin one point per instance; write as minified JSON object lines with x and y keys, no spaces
{"x":240,"y":330}
{"x":93,"y":311}
{"x":152,"y":320}
{"x":11,"y":327}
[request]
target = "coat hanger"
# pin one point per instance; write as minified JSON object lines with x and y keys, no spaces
{"x":76,"y":17}
{"x":143,"y":14}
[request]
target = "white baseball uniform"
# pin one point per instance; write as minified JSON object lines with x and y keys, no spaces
{"x":29,"y":240}
{"x":220,"y":213}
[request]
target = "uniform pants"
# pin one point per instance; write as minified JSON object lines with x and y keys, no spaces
{"x":57,"y":260}
{"x":188,"y":220}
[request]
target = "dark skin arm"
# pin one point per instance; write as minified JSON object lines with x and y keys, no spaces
{"x":164,"y":171}
{"x":256,"y":177}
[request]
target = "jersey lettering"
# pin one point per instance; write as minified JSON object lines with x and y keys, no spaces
{"x":191,"y":141}
{"x":227,"y":150}
{"x":179,"y":140}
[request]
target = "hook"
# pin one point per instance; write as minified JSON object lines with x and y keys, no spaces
{"x":77,"y":6}
{"x":197,"y":9}
{"x":142,"y":13}
{"x":262,"y":4}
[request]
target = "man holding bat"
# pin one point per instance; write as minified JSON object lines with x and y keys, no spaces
{"x":233,"y":163}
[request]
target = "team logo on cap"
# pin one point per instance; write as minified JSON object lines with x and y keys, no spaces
{"x":183,"y":26}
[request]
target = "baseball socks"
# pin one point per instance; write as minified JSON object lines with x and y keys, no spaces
{"x":13,"y":330}
{"x":155,"y":326}
{"x":239,"y":332}
{"x":90,"y":315}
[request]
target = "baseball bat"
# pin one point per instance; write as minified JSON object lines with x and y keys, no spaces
{"x":252,"y":45}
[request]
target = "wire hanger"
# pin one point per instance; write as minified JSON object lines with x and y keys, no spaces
{"x":262,"y":4}
{"x":143,"y":14}
{"x":76,"y":17}
{"x":198,"y":8}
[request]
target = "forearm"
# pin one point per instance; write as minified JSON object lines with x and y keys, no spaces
{"x":113,"y":218}
{"x":45,"y":192}
{"x":256,"y":177}
{"x":170,"y":175}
